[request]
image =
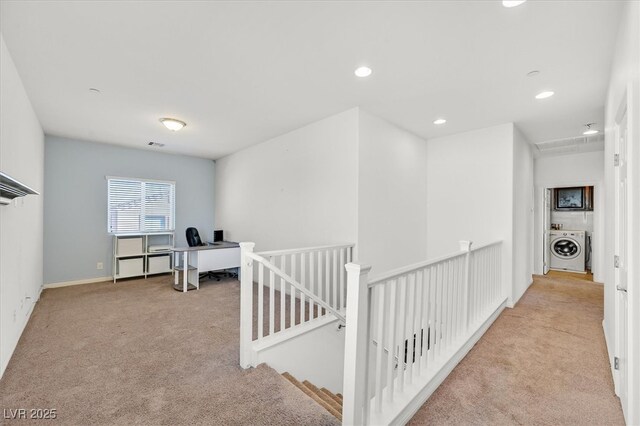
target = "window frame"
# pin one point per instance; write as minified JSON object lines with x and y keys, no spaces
{"x":143,"y":181}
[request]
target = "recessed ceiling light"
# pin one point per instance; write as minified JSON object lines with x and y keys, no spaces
{"x":533,"y":73}
{"x":440,"y":121}
{"x":173,"y":124}
{"x":94,"y":90}
{"x":512,"y":3}
{"x":363,"y":72}
{"x":544,"y":95}
{"x":589,"y":130}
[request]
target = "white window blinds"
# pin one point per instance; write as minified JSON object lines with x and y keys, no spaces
{"x":137,"y":205}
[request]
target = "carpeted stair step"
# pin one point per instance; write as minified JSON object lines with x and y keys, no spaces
{"x":324,"y":397}
{"x":333,"y":396}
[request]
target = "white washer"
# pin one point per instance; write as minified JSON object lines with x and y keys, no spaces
{"x":567,"y":250}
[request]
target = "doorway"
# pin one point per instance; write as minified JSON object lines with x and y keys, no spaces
{"x":569,"y":229}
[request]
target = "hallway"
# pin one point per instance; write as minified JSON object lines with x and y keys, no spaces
{"x":543,"y":362}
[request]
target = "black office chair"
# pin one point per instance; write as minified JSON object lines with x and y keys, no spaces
{"x":193,"y":238}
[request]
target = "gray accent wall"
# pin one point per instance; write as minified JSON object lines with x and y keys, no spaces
{"x":75,"y":204}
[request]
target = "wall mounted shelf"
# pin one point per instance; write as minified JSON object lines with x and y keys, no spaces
{"x":11,"y":188}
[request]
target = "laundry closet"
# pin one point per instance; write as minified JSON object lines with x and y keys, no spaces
{"x":570,"y":228}
{"x":569,"y":199}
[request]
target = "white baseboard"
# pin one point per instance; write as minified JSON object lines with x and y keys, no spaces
{"x":27,"y":317}
{"x":78,"y":282}
{"x":610,"y":354}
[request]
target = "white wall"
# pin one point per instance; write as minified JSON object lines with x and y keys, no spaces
{"x":624,"y":87}
{"x":296,"y":190}
{"x":571,"y":170}
{"x":316,"y":356}
{"x":22,"y":157}
{"x":392,"y":196}
{"x":566,"y":170}
{"x":470,"y":192}
{"x":523,"y":210}
{"x":76,"y":239}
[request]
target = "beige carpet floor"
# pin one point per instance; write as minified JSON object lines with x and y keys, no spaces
{"x":138,"y":352}
{"x":542,"y":363}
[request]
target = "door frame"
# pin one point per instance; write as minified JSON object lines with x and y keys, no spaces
{"x":630,"y":105}
{"x":621,"y":245}
{"x":547,"y":200}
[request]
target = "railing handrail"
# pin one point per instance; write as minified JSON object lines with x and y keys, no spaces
{"x":395,"y":273}
{"x":495,"y":243}
{"x":307,"y":249}
{"x":277,"y":271}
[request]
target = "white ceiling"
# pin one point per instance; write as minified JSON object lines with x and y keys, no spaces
{"x":242,"y":72}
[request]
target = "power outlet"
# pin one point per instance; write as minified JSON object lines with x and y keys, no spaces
{"x":100,"y":266}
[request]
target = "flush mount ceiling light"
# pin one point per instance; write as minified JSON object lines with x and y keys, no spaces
{"x":589,"y":130}
{"x":513,"y":3}
{"x":173,"y":124}
{"x":440,"y":121}
{"x":544,"y":95}
{"x":363,"y":72}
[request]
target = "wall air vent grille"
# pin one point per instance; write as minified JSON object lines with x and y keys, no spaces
{"x":575,"y":144}
{"x":11,"y":188}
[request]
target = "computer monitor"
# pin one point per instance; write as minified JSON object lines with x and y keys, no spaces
{"x":218,"y":236}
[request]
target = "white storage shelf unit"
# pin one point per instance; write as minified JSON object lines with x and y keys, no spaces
{"x":137,"y":255}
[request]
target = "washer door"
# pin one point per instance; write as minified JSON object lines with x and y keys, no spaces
{"x":565,"y":248}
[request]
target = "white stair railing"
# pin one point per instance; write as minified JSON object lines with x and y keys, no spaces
{"x":289,"y":288}
{"x":423,"y":318}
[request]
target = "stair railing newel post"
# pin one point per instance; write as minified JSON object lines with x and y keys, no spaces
{"x":246,"y":304}
{"x":355,"y":408}
{"x":466,"y":247}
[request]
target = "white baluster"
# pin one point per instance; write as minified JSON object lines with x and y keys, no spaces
{"x":334,"y":257}
{"x":450,"y":299}
{"x":426,"y":302}
{"x":411,"y":294}
{"x":419,"y":321}
{"x":327,"y":277}
{"x":303,"y":282}
{"x":312,"y":286}
{"x":466,"y":247}
{"x":402,"y":316}
{"x":283,"y":295}
{"x":341,"y":302}
{"x":320,"y":286}
{"x":433,"y":309}
{"x":381,"y":315}
{"x":272,"y":300}
{"x":392,"y":319}
{"x":260,"y":301}
{"x":293,"y":291}
{"x":439,"y":310}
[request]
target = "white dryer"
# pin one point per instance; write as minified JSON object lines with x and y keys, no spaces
{"x":567,"y":250}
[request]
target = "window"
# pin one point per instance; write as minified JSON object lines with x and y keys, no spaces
{"x":138,"y":205}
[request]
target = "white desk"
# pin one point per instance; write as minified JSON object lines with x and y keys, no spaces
{"x":200,"y":259}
